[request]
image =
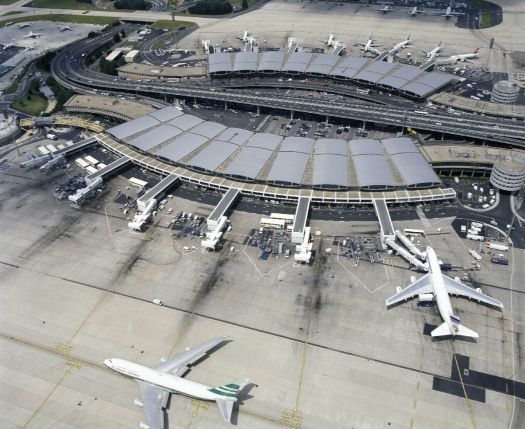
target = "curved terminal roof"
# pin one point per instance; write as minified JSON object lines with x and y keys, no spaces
{"x":329,"y":164}
{"x":407,"y":79}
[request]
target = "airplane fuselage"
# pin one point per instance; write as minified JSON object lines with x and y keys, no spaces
{"x":169,"y":382}
{"x":440,"y":291}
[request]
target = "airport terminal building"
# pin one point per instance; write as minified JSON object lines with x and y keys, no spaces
{"x":407,"y":80}
{"x":214,"y":155}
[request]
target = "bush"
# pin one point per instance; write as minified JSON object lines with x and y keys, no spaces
{"x":132,"y":4}
{"x":212,"y":7}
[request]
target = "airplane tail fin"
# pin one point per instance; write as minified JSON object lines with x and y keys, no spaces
{"x":228,"y":393}
{"x":476,"y":51}
{"x":444,"y":330}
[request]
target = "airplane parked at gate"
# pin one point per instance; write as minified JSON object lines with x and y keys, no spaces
{"x":449,"y":13}
{"x":369,"y":46}
{"x":434,"y":53}
{"x":386,"y":9}
{"x":441,"y":286}
{"x":463,"y":57}
{"x":402,"y":45}
{"x":8,"y":45}
{"x":157,"y":383}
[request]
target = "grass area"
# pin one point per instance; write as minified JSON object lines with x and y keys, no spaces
{"x":33,"y":103}
{"x":486,"y":20}
{"x":6,"y":2}
{"x":63,"y":4}
{"x":482,"y":4}
{"x":172,"y":25}
{"x":75,"y":19}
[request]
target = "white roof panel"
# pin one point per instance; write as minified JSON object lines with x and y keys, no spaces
{"x":166,"y":113}
{"x":213,"y":155}
{"x":134,"y":126}
{"x":208,"y":129}
{"x":297,"y":144}
{"x":234,"y":135}
{"x":265,"y":141}
{"x":154,"y":137}
{"x":185,"y":122}
{"x":181,"y":147}
{"x":249,"y":162}
{"x":365,"y":147}
{"x":331,"y":146}
{"x":330,"y":171}
{"x":288,"y":168}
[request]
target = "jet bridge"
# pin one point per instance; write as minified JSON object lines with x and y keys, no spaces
{"x":156,"y":192}
{"x":220,"y":209}
{"x":387,"y":231}
{"x":382,"y":56}
{"x":217,"y":220}
{"x":401,"y":251}
{"x":109,"y":169}
{"x":411,"y":246}
{"x":429,"y":64}
{"x":299,"y":223}
{"x":75,"y":147}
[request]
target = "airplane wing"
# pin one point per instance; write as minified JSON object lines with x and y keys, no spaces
{"x":179,"y":364}
{"x":455,"y":288}
{"x":154,"y":400}
{"x":421,"y":285}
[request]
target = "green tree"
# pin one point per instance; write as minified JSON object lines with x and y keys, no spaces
{"x":244,"y":4}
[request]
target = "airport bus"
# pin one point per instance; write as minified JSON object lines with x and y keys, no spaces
{"x":43,"y":150}
{"x":272,"y":223}
{"x":81,"y":163}
{"x":413,"y":232}
{"x":288,"y":218}
{"x":137,"y":182}
{"x":91,"y":160}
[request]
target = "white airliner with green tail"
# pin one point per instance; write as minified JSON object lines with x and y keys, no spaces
{"x":156,"y":384}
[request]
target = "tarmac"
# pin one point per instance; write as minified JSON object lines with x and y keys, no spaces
{"x":316,"y":341}
{"x":312,"y":22}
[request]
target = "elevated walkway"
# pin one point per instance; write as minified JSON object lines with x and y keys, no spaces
{"x":84,"y":144}
{"x":386,"y":227}
{"x":220,"y":209}
{"x":301,"y":216}
{"x":429,"y":64}
{"x":156,"y":191}
{"x":382,"y":56}
{"x":109,"y":170}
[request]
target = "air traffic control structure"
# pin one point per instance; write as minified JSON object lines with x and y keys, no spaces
{"x":407,"y":80}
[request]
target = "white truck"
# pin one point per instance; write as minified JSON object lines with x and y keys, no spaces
{"x":475,"y":254}
{"x":51,"y":136}
{"x":497,"y":246}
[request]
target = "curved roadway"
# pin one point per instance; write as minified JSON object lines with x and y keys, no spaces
{"x":70,"y":69}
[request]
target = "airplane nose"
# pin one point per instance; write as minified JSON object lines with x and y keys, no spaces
{"x":107,"y":362}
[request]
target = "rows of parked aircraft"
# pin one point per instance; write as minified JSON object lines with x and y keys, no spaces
{"x":30,"y":35}
{"x":157,"y":383}
{"x":447,"y":13}
{"x":371,"y":46}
